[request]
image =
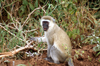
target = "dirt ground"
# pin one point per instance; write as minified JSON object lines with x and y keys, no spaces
{"x":86,"y":59}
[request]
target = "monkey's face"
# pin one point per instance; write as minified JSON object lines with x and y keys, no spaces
{"x":47,"y":22}
{"x":45,"y":25}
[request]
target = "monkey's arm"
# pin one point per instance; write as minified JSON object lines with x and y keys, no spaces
{"x":39,"y":39}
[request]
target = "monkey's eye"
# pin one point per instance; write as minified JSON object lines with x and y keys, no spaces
{"x":45,"y":22}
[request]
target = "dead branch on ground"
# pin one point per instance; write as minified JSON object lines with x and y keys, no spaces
{"x":11,"y":53}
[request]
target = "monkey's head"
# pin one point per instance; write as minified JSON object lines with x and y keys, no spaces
{"x":47,"y":22}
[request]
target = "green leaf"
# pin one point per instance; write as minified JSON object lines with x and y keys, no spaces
{"x":0,"y":5}
{"x":96,"y":48}
{"x":36,"y":3}
{"x":82,"y":37}
{"x":99,"y":60}
{"x":7,"y":61}
{"x":82,"y":51}
{"x":22,"y":10}
{"x":98,"y":54}
{"x":66,"y":48}
{"x":71,"y":12}
{"x":25,"y":2}
{"x":21,"y":65}
{"x":31,"y":6}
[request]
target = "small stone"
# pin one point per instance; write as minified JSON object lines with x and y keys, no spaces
{"x":81,"y":62}
{"x":95,"y":64}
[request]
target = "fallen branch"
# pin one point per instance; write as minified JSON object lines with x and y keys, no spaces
{"x":11,"y":53}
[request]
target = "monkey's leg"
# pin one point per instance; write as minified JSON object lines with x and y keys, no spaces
{"x":48,"y":58}
{"x":58,"y":57}
{"x":70,"y":62}
{"x":55,"y":55}
{"x":48,"y":50}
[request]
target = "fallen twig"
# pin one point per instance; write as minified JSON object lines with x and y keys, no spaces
{"x":11,"y":53}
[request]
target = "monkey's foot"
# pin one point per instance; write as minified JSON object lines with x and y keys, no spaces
{"x":48,"y":59}
{"x":70,"y":62}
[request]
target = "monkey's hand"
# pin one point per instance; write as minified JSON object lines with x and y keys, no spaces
{"x":33,"y":38}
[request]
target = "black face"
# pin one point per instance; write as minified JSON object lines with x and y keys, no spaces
{"x":45,"y":25}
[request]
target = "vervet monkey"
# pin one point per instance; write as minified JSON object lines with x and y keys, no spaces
{"x":59,"y":44}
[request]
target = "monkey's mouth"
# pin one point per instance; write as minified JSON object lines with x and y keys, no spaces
{"x":45,"y":29}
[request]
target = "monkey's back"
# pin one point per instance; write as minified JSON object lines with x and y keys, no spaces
{"x":62,"y":41}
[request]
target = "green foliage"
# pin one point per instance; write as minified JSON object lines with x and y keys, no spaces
{"x":89,"y":58}
{"x":79,"y":19}
{"x":77,"y":53}
{"x":74,"y":33}
{"x":96,"y":48}
{"x":98,"y":54}
{"x":99,"y":60}
{"x":97,"y":14}
{"x":94,"y":4}
{"x":21,"y":65}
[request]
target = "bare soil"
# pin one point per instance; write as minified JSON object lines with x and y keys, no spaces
{"x":86,"y":59}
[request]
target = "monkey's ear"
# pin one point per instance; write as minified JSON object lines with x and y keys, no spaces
{"x":53,"y":19}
